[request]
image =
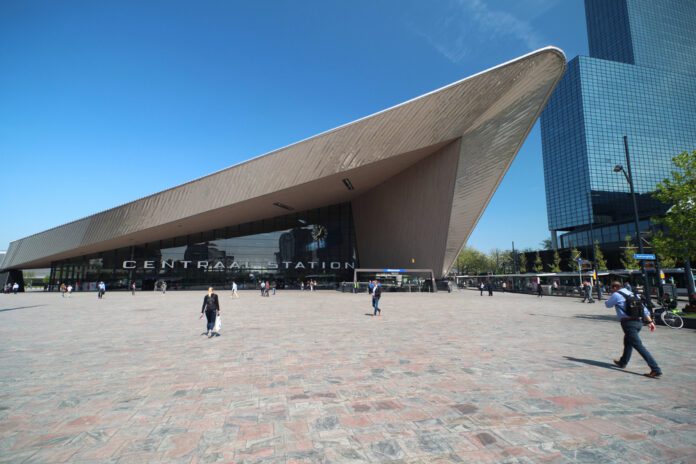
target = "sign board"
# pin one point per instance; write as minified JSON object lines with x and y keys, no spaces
{"x":644,"y":256}
{"x":395,"y":270}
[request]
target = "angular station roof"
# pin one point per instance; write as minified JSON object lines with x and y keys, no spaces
{"x":488,"y":115}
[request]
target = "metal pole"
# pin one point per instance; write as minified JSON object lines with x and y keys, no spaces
{"x":635,"y":217}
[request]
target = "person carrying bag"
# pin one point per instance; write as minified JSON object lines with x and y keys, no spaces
{"x":211,"y":309}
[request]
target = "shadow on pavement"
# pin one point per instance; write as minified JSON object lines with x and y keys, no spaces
{"x":592,"y":362}
{"x":607,"y":317}
{"x":20,"y":307}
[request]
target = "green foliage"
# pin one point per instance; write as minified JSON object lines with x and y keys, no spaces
{"x":471,"y":261}
{"x":627,"y":259}
{"x":573,"y":256}
{"x":600,"y":261}
{"x":680,"y":193}
{"x":522,"y":261}
{"x":538,"y":263}
{"x":556,"y":264}
{"x":546,"y":244}
{"x":664,"y":254}
{"x":500,"y":261}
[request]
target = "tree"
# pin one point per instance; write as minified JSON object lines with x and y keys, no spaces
{"x":679,"y":193}
{"x":627,"y":259}
{"x":546,"y":244}
{"x":556,"y":264}
{"x":600,"y":261}
{"x":471,"y":261}
{"x":538,"y":264}
{"x":500,"y":262}
{"x":573,"y":256}
{"x":522,"y":259}
{"x":666,"y":261}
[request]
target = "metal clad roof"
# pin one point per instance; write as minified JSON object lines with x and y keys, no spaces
{"x":491,"y":112}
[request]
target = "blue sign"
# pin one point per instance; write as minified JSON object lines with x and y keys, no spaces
{"x":643,"y":256}
{"x":395,"y":270}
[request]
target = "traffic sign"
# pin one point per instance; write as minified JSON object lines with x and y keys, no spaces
{"x":644,"y":256}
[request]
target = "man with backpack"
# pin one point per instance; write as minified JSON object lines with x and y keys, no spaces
{"x":376,"y":295}
{"x":631,"y":313}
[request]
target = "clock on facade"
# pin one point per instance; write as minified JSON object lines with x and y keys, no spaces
{"x":319,"y":232}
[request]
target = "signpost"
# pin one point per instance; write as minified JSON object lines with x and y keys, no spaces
{"x":644,"y":256}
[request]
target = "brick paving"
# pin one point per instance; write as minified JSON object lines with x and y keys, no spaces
{"x":310,"y":378}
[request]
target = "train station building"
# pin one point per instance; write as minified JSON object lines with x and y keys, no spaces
{"x":402,"y":189}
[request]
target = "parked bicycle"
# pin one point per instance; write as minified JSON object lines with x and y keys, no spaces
{"x":671,"y":317}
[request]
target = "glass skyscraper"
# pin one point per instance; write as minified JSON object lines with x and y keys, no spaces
{"x":639,"y":82}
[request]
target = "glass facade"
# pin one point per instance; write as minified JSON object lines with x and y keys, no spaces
{"x":647,"y":33}
{"x":598,"y":101}
{"x":317,"y":244}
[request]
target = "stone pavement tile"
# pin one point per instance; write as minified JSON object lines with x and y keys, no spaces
{"x":440,"y":378}
{"x":44,"y":455}
{"x":15,"y":457}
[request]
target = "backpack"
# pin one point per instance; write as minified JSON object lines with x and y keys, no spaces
{"x":633,"y":307}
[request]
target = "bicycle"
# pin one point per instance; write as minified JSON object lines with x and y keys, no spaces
{"x":671,"y":317}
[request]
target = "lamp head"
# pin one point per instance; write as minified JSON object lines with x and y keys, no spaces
{"x":618,"y":168}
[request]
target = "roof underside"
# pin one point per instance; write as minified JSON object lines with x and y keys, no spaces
{"x":490,"y":114}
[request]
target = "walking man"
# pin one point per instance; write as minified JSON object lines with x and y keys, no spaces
{"x":482,"y":287}
{"x":376,"y":295}
{"x":234,"y":289}
{"x":102,"y":289}
{"x":540,"y":290}
{"x":489,"y":287}
{"x":622,"y":300}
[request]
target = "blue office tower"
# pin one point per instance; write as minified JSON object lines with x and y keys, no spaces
{"x":639,"y":82}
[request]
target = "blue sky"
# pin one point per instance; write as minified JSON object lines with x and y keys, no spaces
{"x":106,"y":102}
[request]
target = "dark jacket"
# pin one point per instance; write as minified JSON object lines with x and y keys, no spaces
{"x":377,"y":292}
{"x":210,"y":303}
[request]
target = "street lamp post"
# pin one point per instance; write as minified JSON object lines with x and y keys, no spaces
{"x":629,"y":178}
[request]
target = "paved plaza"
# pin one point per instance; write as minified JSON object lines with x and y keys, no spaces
{"x":312,"y":378}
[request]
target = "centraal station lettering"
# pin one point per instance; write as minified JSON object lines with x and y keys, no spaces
{"x":219,"y":265}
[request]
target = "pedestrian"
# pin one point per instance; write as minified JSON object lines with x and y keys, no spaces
{"x":504,"y":286}
{"x":631,"y":313}
{"x":370,"y":287}
{"x":263,"y":288}
{"x":15,"y":288}
{"x":588,"y":292}
{"x":302,"y":286}
{"x":376,"y":295}
{"x":101,"y":289}
{"x":482,"y":287}
{"x":211,"y":309}
{"x":540,"y":290}
{"x":234,"y":289}
{"x":70,"y":289}
{"x":63,"y":289}
{"x":599,"y":290}
{"x":273,"y":286}
{"x":489,"y":287}
{"x":164,"y":287}
{"x":133,"y":288}
{"x":268,"y":288}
